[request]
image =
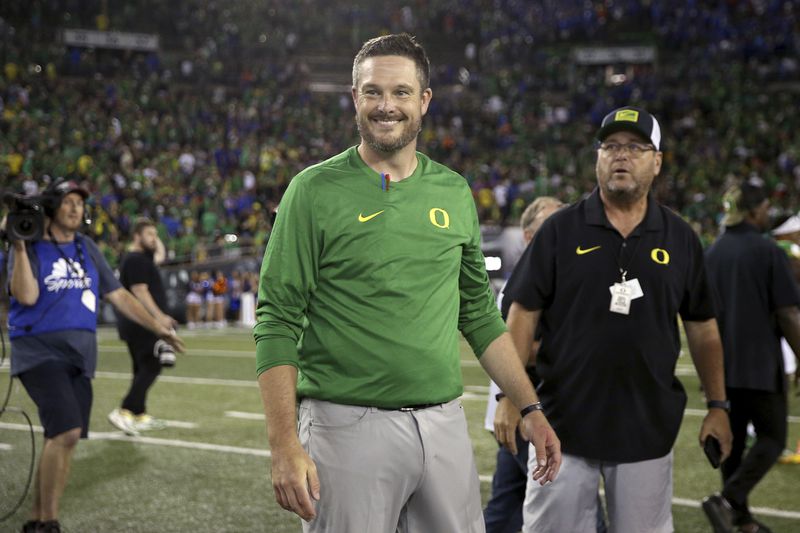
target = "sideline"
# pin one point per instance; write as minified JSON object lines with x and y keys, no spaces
{"x":119,"y":436}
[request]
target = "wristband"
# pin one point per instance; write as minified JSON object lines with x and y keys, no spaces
{"x":531,"y":408}
{"x":725,"y":405}
{"x":499,"y":396}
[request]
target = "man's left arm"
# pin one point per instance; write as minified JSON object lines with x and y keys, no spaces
{"x":501,"y":362}
{"x":127,"y":304}
{"x":142,"y":293}
{"x":705,"y":346}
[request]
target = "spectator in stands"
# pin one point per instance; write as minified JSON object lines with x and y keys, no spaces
{"x":756,"y":290}
{"x":494,"y":119}
{"x":607,"y":278}
{"x":195,"y":295}
{"x":235,"y":304}
{"x":219,"y":291}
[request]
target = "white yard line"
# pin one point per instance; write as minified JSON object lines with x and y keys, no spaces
{"x":5,"y":447}
{"x":258,"y":452}
{"x":244,"y":416}
{"x":184,"y":380}
{"x":192,"y":352}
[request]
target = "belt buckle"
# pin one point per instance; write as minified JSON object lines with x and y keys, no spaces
{"x":407,"y":409}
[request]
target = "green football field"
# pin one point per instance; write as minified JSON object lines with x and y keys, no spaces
{"x":208,"y":471}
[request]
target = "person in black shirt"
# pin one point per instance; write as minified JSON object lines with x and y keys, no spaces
{"x":605,"y":279}
{"x":758,"y":303}
{"x":139,"y":274}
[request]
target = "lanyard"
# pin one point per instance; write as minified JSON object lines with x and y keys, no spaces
{"x":71,"y":262}
{"x":623,"y":270}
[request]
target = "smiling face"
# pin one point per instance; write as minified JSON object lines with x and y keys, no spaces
{"x":623,"y":177}
{"x":390,"y":103}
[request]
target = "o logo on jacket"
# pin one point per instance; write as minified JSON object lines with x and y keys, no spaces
{"x":660,"y":256}
{"x":435,"y":214}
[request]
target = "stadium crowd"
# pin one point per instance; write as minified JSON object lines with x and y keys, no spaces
{"x":204,"y":135}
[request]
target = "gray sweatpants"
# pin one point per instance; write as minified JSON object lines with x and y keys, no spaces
{"x":391,"y":471}
{"x":638,"y":497}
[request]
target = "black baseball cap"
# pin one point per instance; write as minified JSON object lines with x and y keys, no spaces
{"x":633,"y":119}
{"x":62,"y":187}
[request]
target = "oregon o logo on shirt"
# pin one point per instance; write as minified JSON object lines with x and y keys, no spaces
{"x":439,"y":218}
{"x":660,"y":256}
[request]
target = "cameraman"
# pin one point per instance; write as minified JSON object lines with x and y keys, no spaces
{"x":139,"y":274}
{"x":54,"y":285}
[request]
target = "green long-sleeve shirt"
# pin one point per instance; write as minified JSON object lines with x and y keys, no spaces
{"x":364,"y":290}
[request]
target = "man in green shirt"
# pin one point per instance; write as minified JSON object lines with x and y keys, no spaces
{"x":372,"y":269}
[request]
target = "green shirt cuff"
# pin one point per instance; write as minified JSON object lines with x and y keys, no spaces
{"x":481,"y":337}
{"x":275,"y":351}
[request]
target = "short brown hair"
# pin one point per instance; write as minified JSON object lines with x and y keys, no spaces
{"x":140,"y":224}
{"x":399,"y":44}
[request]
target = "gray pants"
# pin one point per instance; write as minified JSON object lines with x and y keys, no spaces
{"x":391,"y":471}
{"x":638,"y":497}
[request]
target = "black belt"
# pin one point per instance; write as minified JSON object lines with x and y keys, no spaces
{"x":410,"y":407}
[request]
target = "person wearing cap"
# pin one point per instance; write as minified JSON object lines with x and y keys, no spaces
{"x":55,"y":283}
{"x":758,"y":302}
{"x":605,"y":280}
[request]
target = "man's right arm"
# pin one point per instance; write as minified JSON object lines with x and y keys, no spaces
{"x":294,"y":474}
{"x":23,"y":286}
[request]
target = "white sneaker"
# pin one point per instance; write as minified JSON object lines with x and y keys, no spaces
{"x":124,"y":420}
{"x":145,"y":422}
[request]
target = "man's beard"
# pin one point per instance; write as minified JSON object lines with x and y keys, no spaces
{"x":410,"y":130}
{"x":624,"y":195}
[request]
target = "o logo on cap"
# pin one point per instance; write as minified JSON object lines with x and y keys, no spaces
{"x":660,"y":256}
{"x":435,"y":214}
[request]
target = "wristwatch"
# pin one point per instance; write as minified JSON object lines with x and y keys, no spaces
{"x":719,"y":404}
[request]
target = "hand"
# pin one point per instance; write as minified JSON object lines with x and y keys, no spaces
{"x":295,"y":481}
{"x":167,"y":321}
{"x":716,"y":424}
{"x":536,"y":429}
{"x":169,"y":335}
{"x":506,"y":420}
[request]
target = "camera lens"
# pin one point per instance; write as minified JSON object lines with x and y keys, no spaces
{"x":25,"y":226}
{"x":165,"y":353}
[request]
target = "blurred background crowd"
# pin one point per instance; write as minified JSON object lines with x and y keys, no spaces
{"x":204,"y":133}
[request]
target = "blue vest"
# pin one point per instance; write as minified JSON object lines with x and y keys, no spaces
{"x":61,"y":286}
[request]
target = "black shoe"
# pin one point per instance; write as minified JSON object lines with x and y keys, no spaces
{"x":50,"y":526}
{"x":31,"y":526}
{"x":719,"y":513}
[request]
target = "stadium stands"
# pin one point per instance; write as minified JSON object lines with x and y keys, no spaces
{"x":204,"y":133}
